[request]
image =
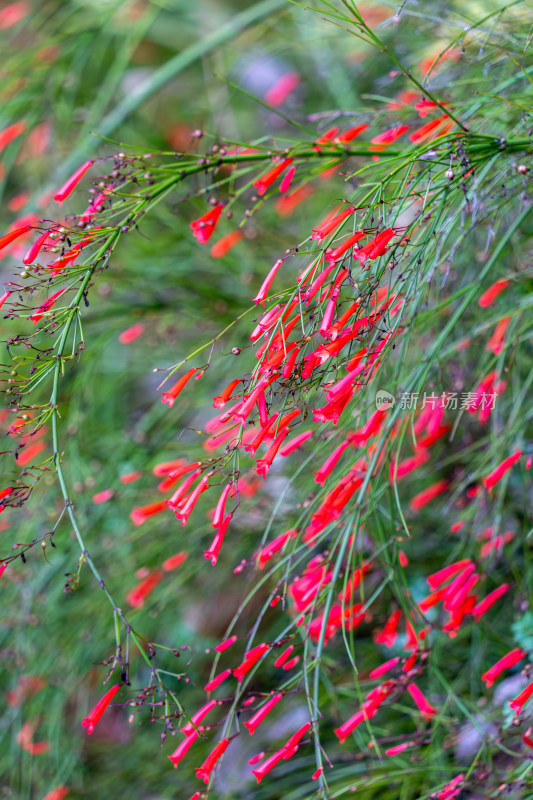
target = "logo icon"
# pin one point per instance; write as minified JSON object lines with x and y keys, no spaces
{"x":384,"y":400}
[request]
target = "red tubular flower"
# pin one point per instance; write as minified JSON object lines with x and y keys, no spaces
{"x":314,"y":288}
{"x":131,"y":334}
{"x":12,"y":235}
{"x":270,"y":550}
{"x":46,"y":306}
{"x":204,"y":772}
{"x":351,"y":133}
{"x":409,"y":664}
{"x":3,"y":567}
{"x":390,"y":136}
{"x":213,"y":552}
{"x":219,"y":515}
{"x":398,"y":748}
{"x":227,"y":643}
{"x":454,"y":590}
{"x":262,"y":184}
{"x":331,"y":224}
{"x":424,"y":706}
{"x":222,"y":399}
{"x":173,"y":477}
{"x":96,"y":714}
{"x":327,"y":319}
{"x":411,"y":639}
{"x":295,"y":443}
{"x":341,"y":249}
{"x":343,"y":386}
{"x":269,"y":764}
{"x":227,"y":243}
{"x":189,"y":729}
{"x":58,"y":793}
{"x":272,"y":363}
{"x":330,"y":463}
{"x":264,"y":432}
{"x":25,"y":740}
{"x":397,"y":470}
{"x":370,"y":428}
{"x":426,"y":131}
{"x":6,"y":492}
{"x":427,"y":495}
{"x":185,"y":508}
{"x":166,"y":467}
{"x":281,"y":659}
{"x":436,"y":434}
{"x":496,"y":341}
{"x":72,"y":182}
{"x":96,"y":205}
{"x":522,"y":698}
{"x":287,"y":203}
{"x":169,"y":396}
{"x":267,"y":283}
{"x":203,"y":227}
{"x":293,"y":740}
{"x":178,"y":498}
{"x":508,"y":661}
{"x":10,"y":133}
{"x":342,"y":320}
{"x":286,"y":419}
{"x":484,"y":605}
{"x":278,"y":93}
{"x":103,"y":496}
{"x":34,"y":249}
{"x":497,"y":474}
{"x":452,"y":789}
{"x":267,"y":321}
{"x":183,"y":748}
{"x":141,"y":514}
{"x":496,"y":544}
{"x":136,"y":597}
{"x":174,"y":561}
{"x":384,"y":668}
{"x":378,"y":695}
{"x":263,"y":464}
{"x":389,"y":634}
{"x":436,"y":579}
{"x":489,"y":296}
{"x":27,"y":455}
{"x":424,"y":107}
{"x":248,"y":404}
{"x":457,"y":615}
{"x":287,"y":180}
{"x":376,"y":247}
{"x":351,"y":724}
{"x":327,"y":137}
{"x":260,"y":715}
{"x":252,"y":657}
{"x":217,"y":680}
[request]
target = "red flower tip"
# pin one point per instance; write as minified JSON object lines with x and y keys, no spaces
{"x":69,"y":186}
{"x":96,"y":714}
{"x":203,"y":227}
{"x":10,"y":237}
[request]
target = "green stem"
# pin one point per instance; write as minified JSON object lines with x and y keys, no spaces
{"x":59,"y":467}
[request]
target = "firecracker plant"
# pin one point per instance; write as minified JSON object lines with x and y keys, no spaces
{"x":350,"y":453}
